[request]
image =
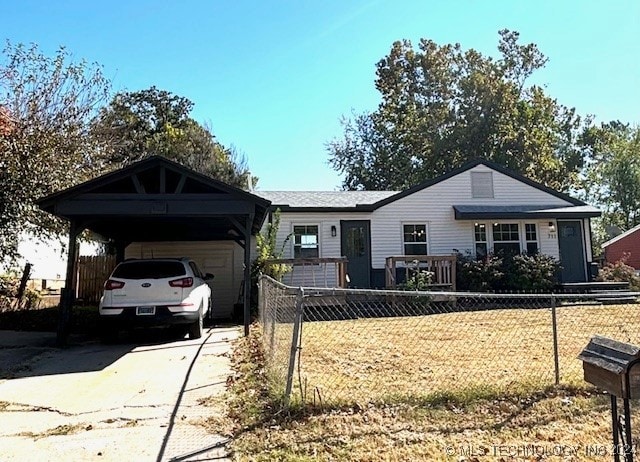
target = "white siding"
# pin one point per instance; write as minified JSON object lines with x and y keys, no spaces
{"x":329,"y":246}
{"x":224,"y":259}
{"x":434,"y":206}
{"x":549,"y":238}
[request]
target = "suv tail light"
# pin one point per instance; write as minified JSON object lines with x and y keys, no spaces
{"x":111,"y":284}
{"x":183,"y":282}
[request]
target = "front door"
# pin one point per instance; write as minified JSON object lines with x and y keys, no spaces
{"x":571,"y":246}
{"x":355,"y":244}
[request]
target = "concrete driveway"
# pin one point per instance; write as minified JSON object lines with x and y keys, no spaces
{"x":136,"y":400}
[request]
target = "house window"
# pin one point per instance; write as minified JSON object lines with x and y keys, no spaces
{"x":506,"y":239}
{"x":482,"y":184}
{"x":305,"y":241}
{"x":415,"y":239}
{"x":531,"y":238}
{"x":480,"y":238}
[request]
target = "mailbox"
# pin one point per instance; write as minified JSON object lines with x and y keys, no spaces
{"x":614,"y":367}
{"x":611,"y":365}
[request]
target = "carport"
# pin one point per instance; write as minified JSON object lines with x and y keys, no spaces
{"x":155,"y":200}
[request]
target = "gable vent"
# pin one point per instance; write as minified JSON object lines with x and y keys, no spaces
{"x":482,"y":184}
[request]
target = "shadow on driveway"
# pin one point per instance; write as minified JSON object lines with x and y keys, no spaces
{"x":19,"y":351}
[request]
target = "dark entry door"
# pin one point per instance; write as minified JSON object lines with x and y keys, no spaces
{"x":356,"y":246}
{"x":571,"y":246}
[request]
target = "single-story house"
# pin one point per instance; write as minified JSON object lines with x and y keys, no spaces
{"x":479,"y":208}
{"x":625,"y":244}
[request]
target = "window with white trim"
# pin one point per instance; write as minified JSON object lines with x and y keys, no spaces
{"x":531,"y":238}
{"x":305,"y":241}
{"x":506,"y":238}
{"x":480,"y":239}
{"x":414,"y":239}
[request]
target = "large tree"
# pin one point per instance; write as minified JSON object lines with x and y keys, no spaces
{"x":156,"y":122}
{"x":46,"y":105}
{"x":442,"y":106}
{"x":612,"y":179}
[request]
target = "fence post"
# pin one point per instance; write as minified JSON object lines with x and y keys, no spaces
{"x":23,"y":284}
{"x":554,"y":325}
{"x":261,"y":305}
{"x":273,"y":313}
{"x":297,"y":324}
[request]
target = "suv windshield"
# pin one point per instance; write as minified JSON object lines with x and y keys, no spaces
{"x":149,"y":270}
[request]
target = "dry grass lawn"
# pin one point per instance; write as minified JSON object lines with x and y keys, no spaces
{"x":386,"y":359}
{"x":473,"y":386}
{"x":552,"y":424}
{"x":559,"y":426}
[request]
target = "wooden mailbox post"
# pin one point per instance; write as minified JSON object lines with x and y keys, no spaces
{"x":615,"y":367}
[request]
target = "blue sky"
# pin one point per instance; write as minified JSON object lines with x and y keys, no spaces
{"x":273,"y":78}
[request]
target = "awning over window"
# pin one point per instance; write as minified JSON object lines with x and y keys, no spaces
{"x":476,"y":212}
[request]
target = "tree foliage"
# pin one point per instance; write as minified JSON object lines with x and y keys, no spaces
{"x":442,"y":106}
{"x":267,"y":249}
{"x":612,"y":179}
{"x":46,"y":104}
{"x":156,"y":122}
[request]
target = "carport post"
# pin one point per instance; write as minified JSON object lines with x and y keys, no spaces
{"x":120,"y":248}
{"x":247,"y":273}
{"x":67,"y":294}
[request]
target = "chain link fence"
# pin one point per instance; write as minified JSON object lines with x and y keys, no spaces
{"x":343,"y":346}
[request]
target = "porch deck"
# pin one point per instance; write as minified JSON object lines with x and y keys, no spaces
{"x":443,"y":268}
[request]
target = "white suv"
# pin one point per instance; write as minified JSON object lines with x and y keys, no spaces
{"x":152,"y":292}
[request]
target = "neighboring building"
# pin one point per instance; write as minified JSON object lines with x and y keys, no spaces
{"x":627,"y":243}
{"x":479,"y":208}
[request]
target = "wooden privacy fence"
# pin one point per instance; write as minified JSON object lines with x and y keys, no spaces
{"x":93,"y":271}
{"x":442,"y":267}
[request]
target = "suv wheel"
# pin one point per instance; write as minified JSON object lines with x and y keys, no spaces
{"x":195,"y":329}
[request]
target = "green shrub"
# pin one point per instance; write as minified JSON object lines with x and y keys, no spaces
{"x":418,"y":278}
{"x":485,"y":275}
{"x":522,"y":273}
{"x":620,"y":272}
{"x":531,"y":273}
{"x":266,"y":249}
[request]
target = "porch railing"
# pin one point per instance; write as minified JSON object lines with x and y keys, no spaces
{"x":443,"y":269}
{"x":315,"y":272}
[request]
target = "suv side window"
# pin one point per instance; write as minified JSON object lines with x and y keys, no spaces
{"x":196,"y":270}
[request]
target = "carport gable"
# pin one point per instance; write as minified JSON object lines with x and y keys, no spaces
{"x":158,"y":200}
{"x":155,"y":200}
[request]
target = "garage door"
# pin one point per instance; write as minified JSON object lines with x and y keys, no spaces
{"x":217,"y":258}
